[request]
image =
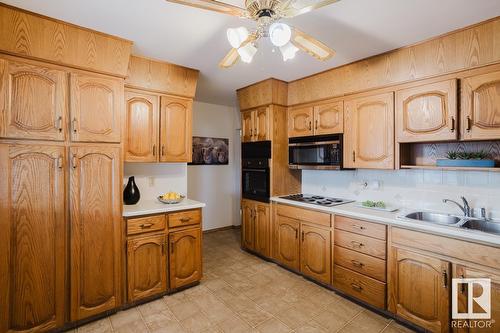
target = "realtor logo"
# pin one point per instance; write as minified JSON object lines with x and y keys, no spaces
{"x":478,"y":306}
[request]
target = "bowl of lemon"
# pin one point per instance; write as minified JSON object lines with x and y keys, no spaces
{"x":171,"y":198}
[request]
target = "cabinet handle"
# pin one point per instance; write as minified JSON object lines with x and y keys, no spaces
{"x":163,"y":249}
{"x":146,"y":225}
{"x":302,"y":237}
{"x":75,"y":122}
{"x":310,"y":125}
{"x":154,"y":149}
{"x":452,"y":129}
{"x":296,"y":233}
{"x":316,"y":124}
{"x":353,"y":156}
{"x":185,"y":219}
{"x":357,"y":263}
{"x":251,"y":132}
{"x":172,"y":247}
{"x":73,"y":161}
{"x":254,"y":214}
{"x":59,"y":124}
{"x":162,"y":150}
{"x":357,"y":244}
{"x":468,"y":124}
{"x":256,"y":132}
{"x":356,"y":287}
{"x":462,"y":288}
{"x":60,"y":162}
{"x":445,"y":278}
{"x":360,"y":227}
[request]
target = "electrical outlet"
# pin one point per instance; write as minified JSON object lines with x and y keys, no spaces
{"x":151,"y":181}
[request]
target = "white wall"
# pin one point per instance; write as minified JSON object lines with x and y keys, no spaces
{"x":410,"y":188}
{"x":153,"y":179}
{"x":217,"y":185}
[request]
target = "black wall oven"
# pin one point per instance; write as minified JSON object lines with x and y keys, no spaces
{"x":315,"y":152}
{"x":255,"y":170}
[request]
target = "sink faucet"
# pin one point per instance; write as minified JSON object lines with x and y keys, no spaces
{"x":465,"y":208}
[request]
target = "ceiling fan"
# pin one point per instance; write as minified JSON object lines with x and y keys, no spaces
{"x":267,"y":14}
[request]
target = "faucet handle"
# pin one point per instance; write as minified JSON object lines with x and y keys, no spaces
{"x":483,"y":213}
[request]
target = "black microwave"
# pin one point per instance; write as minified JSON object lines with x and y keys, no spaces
{"x":315,"y":152}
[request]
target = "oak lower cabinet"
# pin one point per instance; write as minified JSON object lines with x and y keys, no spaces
{"x":315,"y":252}
{"x":33,"y":237}
{"x":287,"y":243}
{"x":95,"y":238}
{"x":185,"y":257}
{"x":146,"y":266}
{"x":256,"y":226}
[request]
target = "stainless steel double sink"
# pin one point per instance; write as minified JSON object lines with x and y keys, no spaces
{"x":463,"y":222}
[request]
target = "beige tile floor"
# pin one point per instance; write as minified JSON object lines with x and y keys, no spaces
{"x":242,"y":293}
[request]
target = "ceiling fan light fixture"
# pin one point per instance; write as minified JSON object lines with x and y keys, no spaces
{"x":236,"y":36}
{"x":247,"y":52}
{"x":280,"y":34}
{"x":288,"y":51}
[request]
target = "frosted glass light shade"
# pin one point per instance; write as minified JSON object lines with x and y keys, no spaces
{"x":236,"y":36}
{"x":247,"y":52}
{"x":280,"y":34}
{"x":288,"y":51}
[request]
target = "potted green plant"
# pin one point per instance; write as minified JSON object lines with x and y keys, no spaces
{"x":479,"y":159}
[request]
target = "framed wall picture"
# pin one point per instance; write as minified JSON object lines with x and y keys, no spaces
{"x":210,"y":151}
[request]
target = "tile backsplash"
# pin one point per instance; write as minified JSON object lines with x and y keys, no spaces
{"x":412,"y":189}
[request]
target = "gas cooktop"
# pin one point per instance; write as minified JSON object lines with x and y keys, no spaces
{"x":316,"y":199}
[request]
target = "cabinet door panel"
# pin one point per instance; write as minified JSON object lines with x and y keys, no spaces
{"x":369,"y":128}
{"x":287,"y":248}
{"x":95,"y":190}
{"x":142,"y":112}
{"x":262,"y":229}
{"x":185,"y":257}
{"x":329,"y":118}
{"x":300,"y":121}
{"x":480,"y":107}
{"x":33,"y":238}
{"x":315,"y":258}
{"x":146,"y":266}
{"x":175,"y":130}
{"x":427,"y":113}
{"x":96,"y":108}
{"x":248,"y":225}
{"x":420,"y":289}
{"x":247,"y":126}
{"x":262,"y":124}
{"x":34,"y":101}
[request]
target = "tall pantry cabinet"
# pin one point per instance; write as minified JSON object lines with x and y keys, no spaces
{"x":60,"y":175}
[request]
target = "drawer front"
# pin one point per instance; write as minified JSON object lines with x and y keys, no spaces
{"x":360,"y":286}
{"x":361,"y":227}
{"x":361,"y":263}
{"x":360,"y":243}
{"x":187,"y":217}
{"x":145,"y":224}
{"x":306,"y":215}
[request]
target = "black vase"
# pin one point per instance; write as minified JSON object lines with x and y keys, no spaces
{"x":131,"y":193}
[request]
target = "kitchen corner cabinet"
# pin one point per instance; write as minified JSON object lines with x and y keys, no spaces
{"x":427,"y":113}
{"x":256,"y":227}
{"x":316,"y":120}
{"x":142,"y":123}
{"x":480,"y":112}
{"x":419,"y":290}
{"x":255,"y":125}
{"x":33,"y":238}
{"x":95,"y":238}
{"x":185,"y":257}
{"x":34,"y":101}
{"x":369,"y":132}
{"x":95,"y":108}
{"x":175,"y":129}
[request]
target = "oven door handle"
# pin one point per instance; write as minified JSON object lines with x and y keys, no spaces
{"x":254,"y":170}
{"x":311,"y":144}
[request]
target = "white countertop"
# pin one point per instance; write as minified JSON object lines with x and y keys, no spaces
{"x":391,"y":218}
{"x":145,"y":207}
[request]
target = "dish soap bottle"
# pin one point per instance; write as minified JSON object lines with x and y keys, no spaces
{"x":131,"y":194}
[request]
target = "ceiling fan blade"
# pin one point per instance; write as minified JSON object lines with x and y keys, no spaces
{"x":311,"y":45}
{"x":230,"y":59}
{"x":213,"y":5}
{"x":294,"y":8}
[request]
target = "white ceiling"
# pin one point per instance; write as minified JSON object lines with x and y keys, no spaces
{"x":197,"y":38}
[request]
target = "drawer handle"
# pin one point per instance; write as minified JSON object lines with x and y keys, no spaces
{"x":360,"y":227}
{"x":185,"y":219}
{"x":146,"y":225}
{"x":356,"y":287}
{"x":357,"y":263}
{"x":356,"y":244}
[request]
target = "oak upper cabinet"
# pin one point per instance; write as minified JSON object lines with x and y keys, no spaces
{"x":262,"y":229}
{"x":146,"y":266}
{"x":96,"y":248}
{"x":315,"y":253}
{"x":185,"y":257}
{"x":248,"y":225}
{"x":427,"y":112}
{"x":287,"y":242}
{"x":175,"y":129}
{"x":33,"y":238}
{"x":419,"y":289}
{"x":461,"y":272}
{"x":255,"y":125}
{"x":142,"y":122}
{"x":300,"y":121}
{"x":247,"y":126}
{"x":329,"y":118}
{"x":369,"y":132}
{"x":480,"y":107}
{"x":34,"y":99}
{"x":96,"y":108}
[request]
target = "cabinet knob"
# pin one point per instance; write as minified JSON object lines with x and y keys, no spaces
{"x":356,"y":287}
{"x":356,"y":244}
{"x":185,"y":219}
{"x":146,"y":225}
{"x":357,"y":263}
